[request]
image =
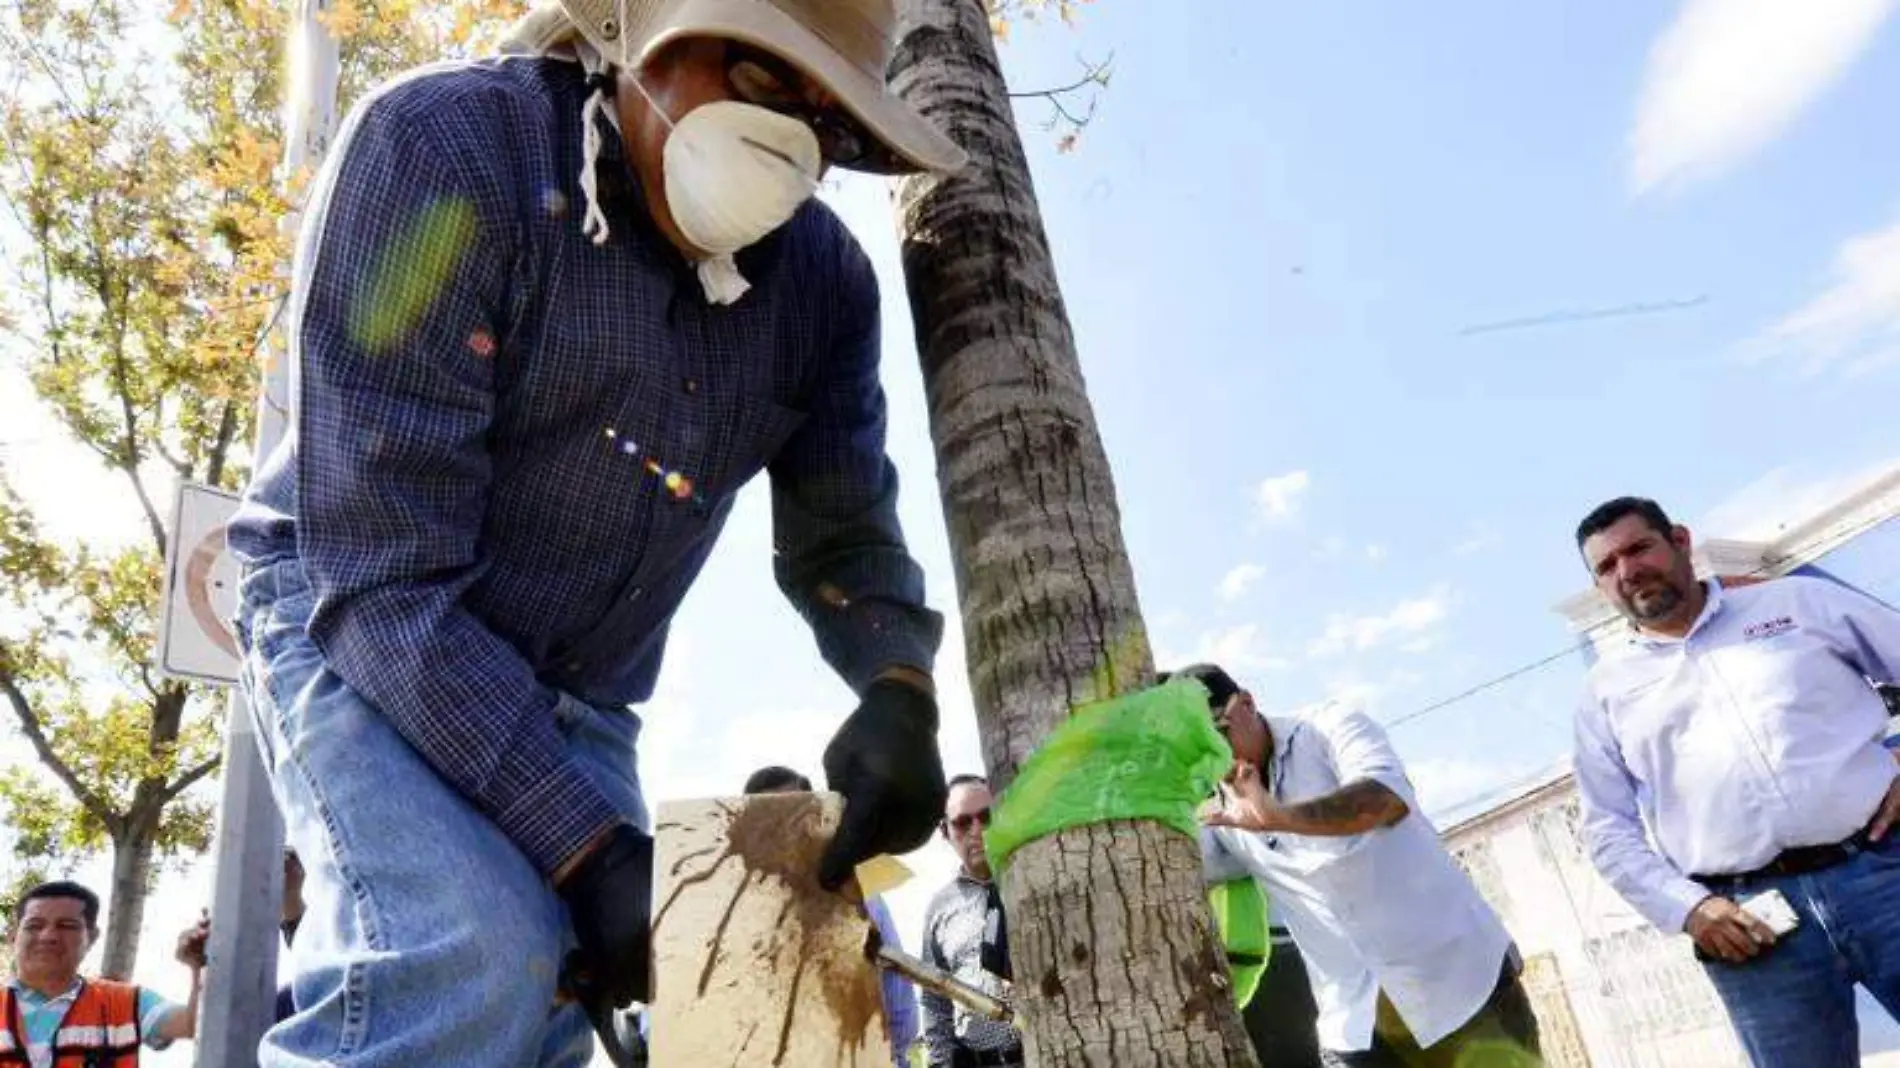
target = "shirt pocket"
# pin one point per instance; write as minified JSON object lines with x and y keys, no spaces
{"x":742,"y":444}
{"x":1644,"y":708}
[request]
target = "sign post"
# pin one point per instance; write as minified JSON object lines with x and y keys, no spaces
{"x":240,"y":994}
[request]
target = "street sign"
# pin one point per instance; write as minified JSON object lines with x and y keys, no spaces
{"x":194,"y":622}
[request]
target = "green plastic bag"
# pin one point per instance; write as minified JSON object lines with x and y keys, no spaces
{"x":1152,"y":755}
{"x":1240,"y":913}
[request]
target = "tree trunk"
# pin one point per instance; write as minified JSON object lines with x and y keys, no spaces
{"x":1114,"y":951}
{"x":125,"y":913}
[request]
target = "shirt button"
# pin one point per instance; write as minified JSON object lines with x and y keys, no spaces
{"x":690,"y":385}
{"x":572,"y":666}
{"x":635,"y":593}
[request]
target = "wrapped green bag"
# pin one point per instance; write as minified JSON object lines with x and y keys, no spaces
{"x":1152,"y":755}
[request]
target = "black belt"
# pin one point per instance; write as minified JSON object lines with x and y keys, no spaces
{"x":1801,"y":860}
{"x":965,"y":1057}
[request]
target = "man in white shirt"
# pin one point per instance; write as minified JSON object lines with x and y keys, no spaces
{"x":1730,"y":747}
{"x":1409,"y":965}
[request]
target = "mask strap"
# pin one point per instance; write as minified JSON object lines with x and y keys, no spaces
{"x":641,"y":88}
{"x":719,"y":276}
{"x":599,"y":81}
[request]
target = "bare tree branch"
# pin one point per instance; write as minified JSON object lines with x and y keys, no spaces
{"x":35,"y":732}
{"x":1093,"y":74}
{"x":1056,"y":103}
{"x":43,"y":237}
{"x":145,"y":680}
{"x":227,"y":430}
{"x":128,"y":459}
{"x":188,"y":780}
{"x":157,"y":412}
{"x":158,"y":449}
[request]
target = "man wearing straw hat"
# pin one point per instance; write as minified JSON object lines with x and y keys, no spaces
{"x":549,"y":312}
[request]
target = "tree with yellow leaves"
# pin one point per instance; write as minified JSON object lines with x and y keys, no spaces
{"x":142,"y":236}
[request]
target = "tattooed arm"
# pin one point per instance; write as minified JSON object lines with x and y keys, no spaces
{"x":1376,"y":793}
{"x":1354,"y":808}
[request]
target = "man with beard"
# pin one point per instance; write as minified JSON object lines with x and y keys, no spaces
{"x":1734,"y":784}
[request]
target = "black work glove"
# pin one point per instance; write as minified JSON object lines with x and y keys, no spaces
{"x":884,"y":761}
{"x":610,"y":899}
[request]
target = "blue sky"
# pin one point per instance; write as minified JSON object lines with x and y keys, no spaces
{"x":1270,"y":240}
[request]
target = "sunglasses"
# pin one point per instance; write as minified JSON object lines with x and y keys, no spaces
{"x":1217,"y":710}
{"x":962,"y":824}
{"x":764,"y":80}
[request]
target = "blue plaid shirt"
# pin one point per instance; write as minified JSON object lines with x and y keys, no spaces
{"x":511,"y":450}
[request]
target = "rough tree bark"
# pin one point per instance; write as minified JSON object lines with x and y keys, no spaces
{"x":1115,"y":955}
{"x":125,"y":909}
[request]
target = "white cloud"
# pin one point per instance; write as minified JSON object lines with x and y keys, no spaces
{"x":1422,"y":644}
{"x":1355,"y":693}
{"x":74,"y":496}
{"x":1377,"y":553}
{"x":1330,"y":550}
{"x":1483,"y":536}
{"x":1780,"y":499}
{"x":1854,"y":325}
{"x":1237,"y":582}
{"x":1729,"y":75}
{"x":1360,"y":633}
{"x":1279,"y":496}
{"x":1239,"y":649}
{"x":1447,"y":783}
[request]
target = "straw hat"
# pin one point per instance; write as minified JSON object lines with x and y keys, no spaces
{"x":843,"y":45}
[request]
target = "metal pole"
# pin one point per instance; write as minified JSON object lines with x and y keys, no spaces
{"x":240,"y":994}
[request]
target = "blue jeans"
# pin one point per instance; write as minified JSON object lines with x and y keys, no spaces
{"x":428,"y":937}
{"x":1794,"y":1004}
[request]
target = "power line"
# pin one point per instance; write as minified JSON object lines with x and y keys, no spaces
{"x":1483,"y":686}
{"x":1761,"y":570}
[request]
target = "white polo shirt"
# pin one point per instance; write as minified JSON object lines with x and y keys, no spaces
{"x":1385,"y":910}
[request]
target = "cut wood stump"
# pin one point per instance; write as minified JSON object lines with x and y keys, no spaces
{"x":755,"y":966}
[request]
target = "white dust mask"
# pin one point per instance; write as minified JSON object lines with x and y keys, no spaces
{"x":735,"y":172}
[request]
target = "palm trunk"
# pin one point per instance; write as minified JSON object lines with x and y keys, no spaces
{"x":1115,"y":954}
{"x":125,"y":913}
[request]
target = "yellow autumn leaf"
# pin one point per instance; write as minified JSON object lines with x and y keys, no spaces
{"x":344,"y":21}
{"x":464,"y":26}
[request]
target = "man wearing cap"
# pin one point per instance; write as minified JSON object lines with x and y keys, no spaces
{"x":1409,"y":965}
{"x":548,"y":313}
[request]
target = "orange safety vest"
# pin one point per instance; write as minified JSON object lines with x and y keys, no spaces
{"x":100,"y":1028}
